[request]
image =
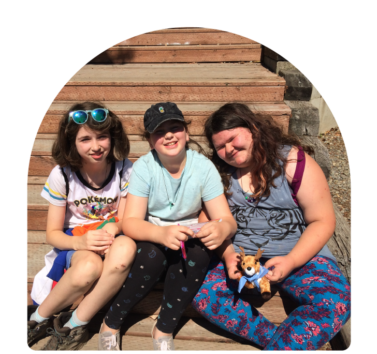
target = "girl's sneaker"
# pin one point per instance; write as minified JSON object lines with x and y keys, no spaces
{"x":162,"y":343}
{"x":64,"y":338}
{"x":108,"y":341}
{"x":35,"y":330}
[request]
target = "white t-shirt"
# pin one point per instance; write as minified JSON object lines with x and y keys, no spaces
{"x":87,"y":204}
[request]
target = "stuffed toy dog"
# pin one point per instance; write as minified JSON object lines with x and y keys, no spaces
{"x":254,"y":274}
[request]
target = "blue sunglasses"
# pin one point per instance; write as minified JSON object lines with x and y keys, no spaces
{"x":81,"y":117}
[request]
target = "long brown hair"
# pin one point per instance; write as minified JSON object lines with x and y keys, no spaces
{"x":268,"y":139}
{"x":64,"y":150}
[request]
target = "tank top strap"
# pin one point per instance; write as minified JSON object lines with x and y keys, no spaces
{"x":297,"y":178}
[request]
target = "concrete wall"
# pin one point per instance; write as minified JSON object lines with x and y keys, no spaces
{"x":326,"y":118}
{"x":276,"y":63}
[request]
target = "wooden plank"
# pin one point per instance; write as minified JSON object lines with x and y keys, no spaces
{"x":184,"y":37}
{"x":37,"y":180}
{"x":251,"y":74}
{"x":197,"y":329}
{"x":34,"y":197}
{"x":42,"y":165}
{"x":37,"y":220}
{"x":142,"y":343}
{"x":38,"y":237}
{"x":170,"y":93}
{"x":131,"y":114}
{"x":35,"y":258}
{"x":189,"y":109}
{"x":42,"y":207}
{"x":137,"y":147}
{"x":125,"y":55}
{"x":187,"y":29}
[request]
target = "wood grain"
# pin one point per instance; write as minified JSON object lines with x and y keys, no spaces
{"x":189,"y":109}
{"x":134,"y":124}
{"x":186,"y":37}
{"x":35,"y":259}
{"x":36,"y":220}
{"x":251,"y":74}
{"x":168,"y":93}
{"x":42,"y":165}
{"x":176,"y":54}
{"x":38,"y":237}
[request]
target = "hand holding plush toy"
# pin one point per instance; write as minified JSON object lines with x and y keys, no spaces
{"x":254,"y":274}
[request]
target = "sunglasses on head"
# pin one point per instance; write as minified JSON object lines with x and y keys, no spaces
{"x":81,"y":117}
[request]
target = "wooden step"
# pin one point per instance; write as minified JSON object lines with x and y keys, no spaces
{"x":182,"y":46}
{"x":186,"y":36}
{"x":131,"y":114}
{"x":248,"y":82}
{"x":179,"y":54}
{"x":138,"y":147}
{"x":191,"y":334}
{"x":134,"y":343}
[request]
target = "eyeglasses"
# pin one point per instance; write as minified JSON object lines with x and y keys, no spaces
{"x":81,"y":117}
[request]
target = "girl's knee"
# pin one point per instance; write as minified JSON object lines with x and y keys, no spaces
{"x":122,"y":253}
{"x":87,"y":270}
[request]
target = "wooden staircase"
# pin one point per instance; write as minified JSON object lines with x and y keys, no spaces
{"x":200,"y":70}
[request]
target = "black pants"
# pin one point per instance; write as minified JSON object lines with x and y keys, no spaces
{"x":182,"y":282}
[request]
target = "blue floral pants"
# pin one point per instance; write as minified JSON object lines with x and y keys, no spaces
{"x":319,"y":287}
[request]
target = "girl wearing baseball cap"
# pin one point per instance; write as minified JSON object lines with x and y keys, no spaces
{"x":167,"y":190}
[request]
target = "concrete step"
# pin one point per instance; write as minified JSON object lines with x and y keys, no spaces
{"x":249,"y":82}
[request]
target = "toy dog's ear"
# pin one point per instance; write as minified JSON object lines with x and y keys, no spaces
{"x":242,"y":253}
{"x":259,"y":254}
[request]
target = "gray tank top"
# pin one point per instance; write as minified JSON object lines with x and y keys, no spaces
{"x":274,"y":224}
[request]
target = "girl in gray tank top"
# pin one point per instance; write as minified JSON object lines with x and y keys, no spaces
{"x":273,"y":224}
{"x":289,"y":215}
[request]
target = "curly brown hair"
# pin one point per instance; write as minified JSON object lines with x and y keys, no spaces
{"x":64,"y":150}
{"x":268,"y":139}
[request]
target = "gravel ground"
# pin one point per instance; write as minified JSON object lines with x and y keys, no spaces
{"x":339,"y":181}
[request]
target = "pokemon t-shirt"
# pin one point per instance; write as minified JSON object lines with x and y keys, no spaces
{"x":86,"y":204}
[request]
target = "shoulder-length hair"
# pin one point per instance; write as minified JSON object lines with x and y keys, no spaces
{"x":64,"y":150}
{"x":268,"y":138}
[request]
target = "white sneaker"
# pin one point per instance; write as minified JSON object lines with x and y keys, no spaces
{"x":162,"y":343}
{"x":108,"y":341}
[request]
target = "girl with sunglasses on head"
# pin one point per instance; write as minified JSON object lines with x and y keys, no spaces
{"x":87,"y":193}
{"x":167,"y":189}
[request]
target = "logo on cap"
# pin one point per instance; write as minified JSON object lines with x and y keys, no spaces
{"x":161,"y":109}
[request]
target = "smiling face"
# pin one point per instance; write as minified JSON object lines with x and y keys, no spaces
{"x":92,"y":146}
{"x":234,"y":146}
{"x":169,"y":139}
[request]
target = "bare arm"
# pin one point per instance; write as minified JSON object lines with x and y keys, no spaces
{"x":116,"y":228}
{"x":214,"y":234}
{"x":136,"y":227}
{"x":96,"y":240}
{"x":315,"y":201}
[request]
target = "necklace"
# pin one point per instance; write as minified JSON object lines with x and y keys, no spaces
{"x":248,"y":198}
{"x":172,"y":201}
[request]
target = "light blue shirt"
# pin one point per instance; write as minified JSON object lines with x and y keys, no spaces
{"x":199,"y":181}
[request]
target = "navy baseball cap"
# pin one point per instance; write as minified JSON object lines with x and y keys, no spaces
{"x":160,"y":113}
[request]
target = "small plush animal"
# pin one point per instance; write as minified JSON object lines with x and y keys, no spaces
{"x":254,"y":274}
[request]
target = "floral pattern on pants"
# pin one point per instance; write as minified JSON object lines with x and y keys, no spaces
{"x":319,"y":287}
